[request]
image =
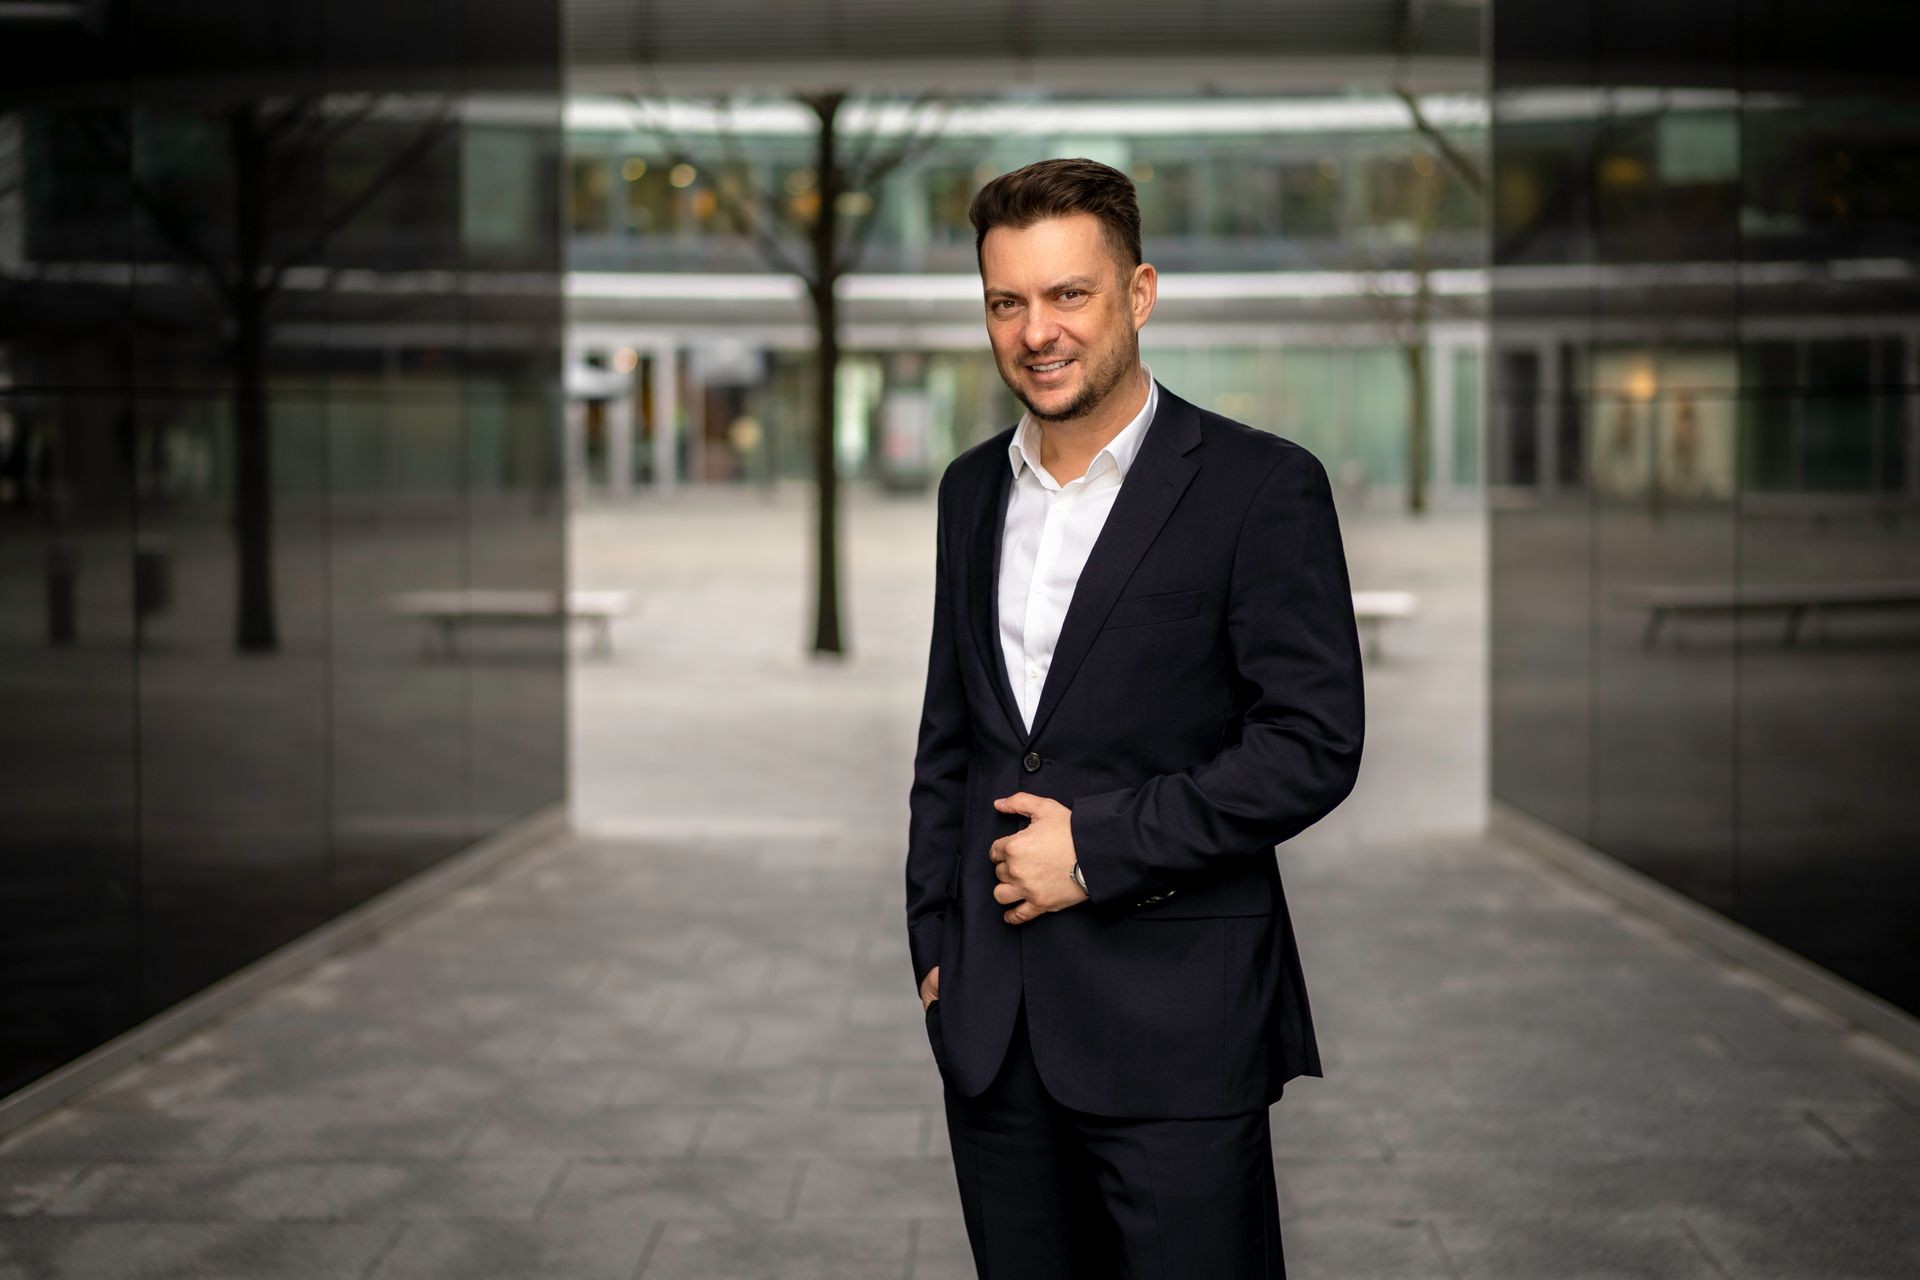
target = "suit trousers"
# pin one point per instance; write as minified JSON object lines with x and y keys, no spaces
{"x":1051,"y":1193}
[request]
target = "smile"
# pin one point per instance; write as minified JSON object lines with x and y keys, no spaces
{"x":1049,"y":368}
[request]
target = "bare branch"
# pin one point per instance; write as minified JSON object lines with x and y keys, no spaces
{"x":1457,"y":160}
{"x":926,"y":127}
{"x":757,"y":213}
{"x":166,"y":218}
{"x":748,"y":210}
{"x":332,"y":221}
{"x":321,"y":135}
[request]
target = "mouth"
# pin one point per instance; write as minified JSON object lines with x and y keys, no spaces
{"x":1049,"y":371}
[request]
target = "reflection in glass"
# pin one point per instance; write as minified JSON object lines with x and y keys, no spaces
{"x":1725,"y":274}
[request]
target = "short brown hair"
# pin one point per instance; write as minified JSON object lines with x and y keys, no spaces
{"x":1054,"y":189}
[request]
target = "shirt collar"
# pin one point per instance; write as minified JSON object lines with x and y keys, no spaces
{"x":1024,"y":449}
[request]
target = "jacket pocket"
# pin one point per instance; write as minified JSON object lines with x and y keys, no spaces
{"x":1164,"y":606}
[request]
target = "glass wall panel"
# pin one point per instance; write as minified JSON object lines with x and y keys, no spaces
{"x":397,"y":525}
{"x":1829,"y":703}
{"x":1708,"y":271}
{"x":279,"y":342}
{"x":232,"y":706}
{"x":69,"y":794}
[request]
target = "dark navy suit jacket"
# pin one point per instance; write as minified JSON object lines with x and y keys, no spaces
{"x":1203,"y":704}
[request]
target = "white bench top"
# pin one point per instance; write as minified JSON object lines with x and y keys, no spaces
{"x":1771,"y":595}
{"x":503,"y":603}
{"x":1385,"y":604}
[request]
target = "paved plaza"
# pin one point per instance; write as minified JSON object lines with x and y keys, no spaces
{"x":685,"y":1042}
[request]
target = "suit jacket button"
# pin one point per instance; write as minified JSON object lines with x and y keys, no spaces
{"x":1031,"y":762}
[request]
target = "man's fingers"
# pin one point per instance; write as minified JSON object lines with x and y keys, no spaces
{"x":1012,"y":895}
{"x":1022,"y":913}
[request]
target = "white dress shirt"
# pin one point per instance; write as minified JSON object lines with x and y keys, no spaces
{"x":1050,"y":529}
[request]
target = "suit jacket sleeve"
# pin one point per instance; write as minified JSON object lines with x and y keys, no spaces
{"x":938,"y":798}
{"x":1290,"y":625}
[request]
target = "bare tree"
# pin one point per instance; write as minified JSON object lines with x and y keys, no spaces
{"x":1407,"y":315}
{"x":819,"y":242}
{"x":265,"y":141}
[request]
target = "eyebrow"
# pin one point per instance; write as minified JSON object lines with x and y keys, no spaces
{"x":1071,"y":282}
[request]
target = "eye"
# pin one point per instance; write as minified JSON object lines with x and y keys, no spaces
{"x":1072,"y":293}
{"x":1001,"y":304}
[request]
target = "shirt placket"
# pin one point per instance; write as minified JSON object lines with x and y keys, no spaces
{"x":1060,"y":503}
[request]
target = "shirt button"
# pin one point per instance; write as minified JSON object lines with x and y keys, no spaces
{"x":1031,"y":762}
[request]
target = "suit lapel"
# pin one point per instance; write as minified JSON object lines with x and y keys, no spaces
{"x":1153,"y":486}
{"x":983,"y":586}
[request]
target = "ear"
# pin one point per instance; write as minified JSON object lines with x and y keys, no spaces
{"x":1143,"y":290}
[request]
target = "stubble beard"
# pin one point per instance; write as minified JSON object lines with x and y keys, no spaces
{"x":1101,"y":383}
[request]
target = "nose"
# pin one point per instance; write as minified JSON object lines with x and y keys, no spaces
{"x":1040,"y":329}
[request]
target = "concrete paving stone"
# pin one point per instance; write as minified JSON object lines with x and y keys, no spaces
{"x":212,"y":1191}
{"x":798,"y":973}
{"x":940,"y":1248}
{"x":42,"y":1249}
{"x":722,"y":1186}
{"x":1374,"y":1248}
{"x":817,"y":1250}
{"x":901,"y":1041}
{"x":74,"y":1133}
{"x":26,"y":1185}
{"x":1584,"y":1130}
{"x":1804,"y":1248}
{"x":685,"y":1000}
{"x":944,"y":1267}
{"x":329,"y":1129}
{"x":166,"y":1086}
{"x":465,"y":1085}
{"x":380,"y":1191}
{"x":895,"y":1006}
{"x":1477,"y":1078}
{"x":776,"y":1086}
{"x":1574,"y":1249}
{"x":901,"y":1084}
{"x":479,"y":1249}
{"x":581,"y":1040}
{"x":588,"y":1129}
{"x":850,"y":1131}
{"x":1881,"y":1132}
{"x":1527,"y":1185}
{"x":1322,"y":1129}
{"x":877,"y":1187}
{"x":1858,"y":1193}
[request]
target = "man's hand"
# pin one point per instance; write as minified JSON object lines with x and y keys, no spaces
{"x":930,"y":988}
{"x":1035,"y":864}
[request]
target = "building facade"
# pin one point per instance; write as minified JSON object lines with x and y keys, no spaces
{"x":1317,"y":255}
{"x":1704,"y":456}
{"x":280,"y":334}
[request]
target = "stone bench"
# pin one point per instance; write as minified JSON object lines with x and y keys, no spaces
{"x":447,"y":612}
{"x":1795,"y":602}
{"x":1374,"y":609}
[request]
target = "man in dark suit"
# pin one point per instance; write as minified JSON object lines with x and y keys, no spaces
{"x":1144,"y":674}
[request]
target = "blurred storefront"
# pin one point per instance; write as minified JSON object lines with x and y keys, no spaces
{"x":1306,"y":241}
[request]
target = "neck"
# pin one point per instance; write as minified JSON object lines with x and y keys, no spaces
{"x":1070,"y":444}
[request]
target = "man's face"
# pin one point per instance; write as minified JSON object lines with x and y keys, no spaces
{"x":1063,"y":314}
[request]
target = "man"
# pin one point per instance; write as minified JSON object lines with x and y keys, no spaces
{"x":1144,"y":674}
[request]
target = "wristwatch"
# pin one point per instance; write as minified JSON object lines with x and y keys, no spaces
{"x":1079,"y":879}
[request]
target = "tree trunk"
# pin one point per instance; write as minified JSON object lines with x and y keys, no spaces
{"x":1418,"y":433}
{"x":256,"y":629}
{"x":1414,"y":348}
{"x":827,"y":636}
